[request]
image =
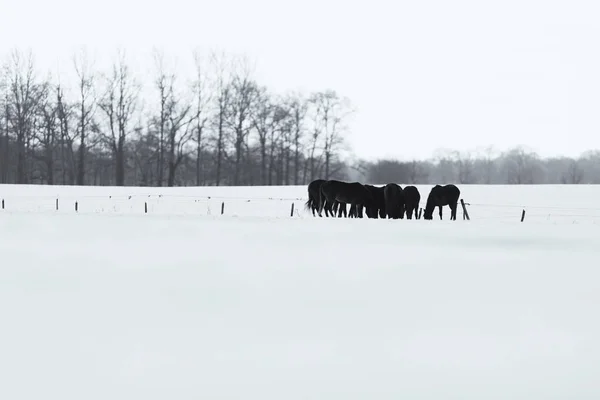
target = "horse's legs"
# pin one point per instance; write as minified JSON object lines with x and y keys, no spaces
{"x":440,"y":212}
{"x":329,"y":209}
{"x":341,"y":210}
{"x":454,"y":208}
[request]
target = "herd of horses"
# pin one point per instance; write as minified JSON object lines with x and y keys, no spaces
{"x":388,"y":201}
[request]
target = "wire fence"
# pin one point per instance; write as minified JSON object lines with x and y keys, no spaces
{"x":161,"y":204}
{"x":262,"y":206}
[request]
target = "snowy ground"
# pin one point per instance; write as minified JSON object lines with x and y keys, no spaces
{"x":184,"y":303}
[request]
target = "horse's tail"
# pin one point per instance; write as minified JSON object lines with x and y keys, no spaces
{"x":309,"y":205}
{"x":321,"y":202}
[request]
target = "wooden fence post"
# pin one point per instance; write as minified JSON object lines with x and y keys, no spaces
{"x":145,"y":208}
{"x":292,"y":212}
{"x":76,"y":207}
{"x":222,"y":208}
{"x":3,"y":204}
{"x":465,"y":213}
{"x":57,"y":204}
{"x":523,"y":215}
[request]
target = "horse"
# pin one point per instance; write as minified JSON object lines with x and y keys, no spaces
{"x":394,"y":201}
{"x":440,"y":196}
{"x":353,"y":193}
{"x":378,"y":208}
{"x":314,"y":193}
{"x":412,"y":198}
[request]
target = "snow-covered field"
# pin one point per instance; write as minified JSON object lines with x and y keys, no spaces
{"x":110,"y":302}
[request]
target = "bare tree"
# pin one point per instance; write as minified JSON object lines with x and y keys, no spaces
{"x":418,"y":172}
{"x":465,"y":163}
{"x":174,"y":122}
{"x":245,"y":93}
{"x":203,"y":98}
{"x":445,"y":168}
{"x":223,"y":91}
{"x":119,"y":105}
{"x":267,"y":118}
{"x":4,"y":141}
{"x":332,"y":112}
{"x":574,"y":173}
{"x":520,"y":166}
{"x":163,"y":84}
{"x":48,"y":136}
{"x":298,"y":109}
{"x":488,"y":164}
{"x":86,"y":107}
{"x":22,"y":101}
{"x":64,"y":113}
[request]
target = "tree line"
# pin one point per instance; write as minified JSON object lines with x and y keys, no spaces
{"x":486,"y":166}
{"x":217,"y":127}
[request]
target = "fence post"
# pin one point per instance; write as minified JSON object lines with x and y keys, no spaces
{"x":57,"y":204}
{"x":292,"y":212}
{"x":222,"y":208}
{"x":76,"y":207}
{"x":420,"y":212}
{"x":465,"y":213}
{"x":3,"y":204}
{"x":523,"y":215}
{"x":145,"y":208}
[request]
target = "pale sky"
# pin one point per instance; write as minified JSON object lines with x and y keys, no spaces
{"x":422,"y":74}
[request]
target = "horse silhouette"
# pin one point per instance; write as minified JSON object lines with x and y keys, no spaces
{"x":394,"y":201}
{"x":353,"y":193}
{"x":412,"y":198}
{"x":378,"y":208}
{"x":440,"y":196}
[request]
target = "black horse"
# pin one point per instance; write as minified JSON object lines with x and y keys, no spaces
{"x":412,"y":198}
{"x":314,"y":193}
{"x":394,"y":201}
{"x":441,"y":196}
{"x":353,"y":193}
{"x":378,"y":208}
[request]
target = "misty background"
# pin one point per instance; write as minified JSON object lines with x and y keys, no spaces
{"x":220,"y":126}
{"x":217,"y":126}
{"x":231,"y":92}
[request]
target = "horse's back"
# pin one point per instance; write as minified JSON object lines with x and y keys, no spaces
{"x":452,"y":191}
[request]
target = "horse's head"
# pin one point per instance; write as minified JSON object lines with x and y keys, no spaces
{"x":428,"y":214}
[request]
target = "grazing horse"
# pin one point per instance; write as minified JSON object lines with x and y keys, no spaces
{"x":394,"y":201}
{"x":378,"y":208}
{"x":314,"y":193}
{"x":412,"y":198}
{"x":353,"y":193}
{"x":441,"y":196}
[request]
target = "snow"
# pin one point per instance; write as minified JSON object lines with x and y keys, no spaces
{"x":183,"y":303}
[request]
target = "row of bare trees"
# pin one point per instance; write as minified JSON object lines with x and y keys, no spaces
{"x":487,"y":166}
{"x":218,"y":127}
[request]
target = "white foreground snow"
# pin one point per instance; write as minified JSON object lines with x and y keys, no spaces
{"x":112,"y":303}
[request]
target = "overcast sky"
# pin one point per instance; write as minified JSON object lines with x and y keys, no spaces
{"x":422,"y":74}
